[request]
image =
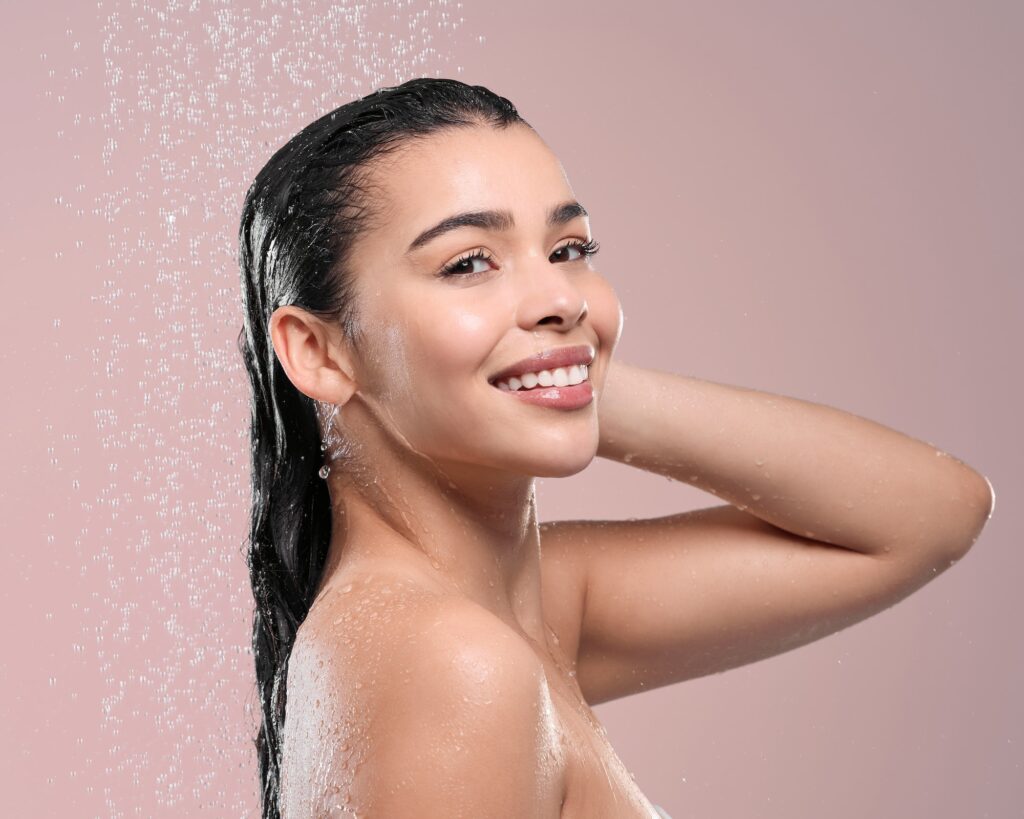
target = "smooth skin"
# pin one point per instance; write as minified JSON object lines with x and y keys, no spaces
{"x":450,"y":661}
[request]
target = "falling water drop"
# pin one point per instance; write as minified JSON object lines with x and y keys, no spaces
{"x":147,"y":541}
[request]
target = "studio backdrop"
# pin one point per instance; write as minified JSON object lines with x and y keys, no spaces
{"x":817,"y":200}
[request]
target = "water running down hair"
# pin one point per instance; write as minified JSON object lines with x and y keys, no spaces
{"x":300,"y":219}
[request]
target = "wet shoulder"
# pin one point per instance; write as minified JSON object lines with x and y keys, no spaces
{"x":374,"y":630}
{"x":384,"y":667}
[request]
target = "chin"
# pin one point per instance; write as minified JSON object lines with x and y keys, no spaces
{"x":562,"y":464}
{"x":561,"y":472}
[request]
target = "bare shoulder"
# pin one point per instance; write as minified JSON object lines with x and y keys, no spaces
{"x":405,"y":702}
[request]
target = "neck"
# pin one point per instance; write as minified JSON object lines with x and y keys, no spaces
{"x":473,"y":531}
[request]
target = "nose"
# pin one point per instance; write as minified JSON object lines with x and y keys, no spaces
{"x":551,"y":295}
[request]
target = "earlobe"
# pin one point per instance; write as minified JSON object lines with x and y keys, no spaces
{"x":313,"y":361}
{"x":336,"y":384}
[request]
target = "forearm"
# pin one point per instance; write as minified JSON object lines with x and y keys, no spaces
{"x":807,"y":468}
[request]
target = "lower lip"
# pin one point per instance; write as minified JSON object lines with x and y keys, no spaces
{"x":565,"y":398}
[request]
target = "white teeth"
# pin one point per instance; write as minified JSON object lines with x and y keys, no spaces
{"x":558,"y":377}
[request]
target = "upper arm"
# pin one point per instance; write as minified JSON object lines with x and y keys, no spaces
{"x":686,"y":595}
{"x":446,"y":719}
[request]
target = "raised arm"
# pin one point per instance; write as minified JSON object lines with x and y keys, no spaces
{"x":830,"y":518}
{"x":807,"y":468}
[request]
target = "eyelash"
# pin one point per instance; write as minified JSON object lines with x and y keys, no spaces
{"x":587,"y":249}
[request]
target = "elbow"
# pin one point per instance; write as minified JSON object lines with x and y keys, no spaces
{"x":978,"y":498}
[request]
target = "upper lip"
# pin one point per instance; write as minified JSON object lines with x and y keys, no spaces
{"x":547,"y":360}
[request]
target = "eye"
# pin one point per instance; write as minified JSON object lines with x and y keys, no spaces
{"x":463,"y":266}
{"x":457,"y":268}
{"x":585,"y":249}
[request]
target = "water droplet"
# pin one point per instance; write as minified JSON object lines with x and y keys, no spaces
{"x":324,"y":470}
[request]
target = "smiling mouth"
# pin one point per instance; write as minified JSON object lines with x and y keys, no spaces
{"x":555,"y":377}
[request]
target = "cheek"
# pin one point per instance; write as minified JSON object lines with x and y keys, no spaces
{"x":445,"y":378}
{"x":446,"y":346}
{"x":395,"y":361}
{"x":605,"y":314}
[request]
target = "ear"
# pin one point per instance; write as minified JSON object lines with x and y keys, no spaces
{"x":313,"y":355}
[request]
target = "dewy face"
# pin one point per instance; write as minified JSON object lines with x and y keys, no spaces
{"x":438,"y":340}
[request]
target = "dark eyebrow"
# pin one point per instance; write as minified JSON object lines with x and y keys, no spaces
{"x":495,"y":220}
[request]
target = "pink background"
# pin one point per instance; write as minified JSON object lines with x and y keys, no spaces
{"x":819,"y":200}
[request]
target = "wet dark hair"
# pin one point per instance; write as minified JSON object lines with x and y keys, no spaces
{"x":300,"y":218}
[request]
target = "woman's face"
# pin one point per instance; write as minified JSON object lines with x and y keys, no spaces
{"x":433,"y":341}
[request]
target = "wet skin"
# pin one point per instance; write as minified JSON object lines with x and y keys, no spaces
{"x":435,"y":504}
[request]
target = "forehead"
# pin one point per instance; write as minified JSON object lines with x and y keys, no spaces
{"x":468,"y":168}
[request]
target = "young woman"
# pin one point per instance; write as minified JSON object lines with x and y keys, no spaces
{"x":425,"y":334}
